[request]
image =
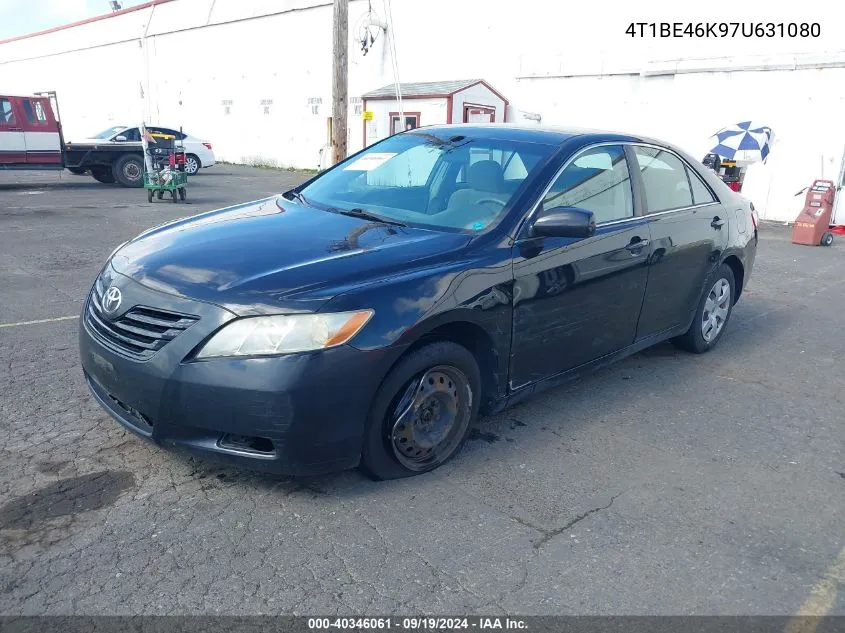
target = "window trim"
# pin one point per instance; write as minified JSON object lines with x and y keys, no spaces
{"x":640,"y":205}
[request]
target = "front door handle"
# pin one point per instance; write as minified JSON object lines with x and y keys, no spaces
{"x":637,"y":245}
{"x":717,"y":222}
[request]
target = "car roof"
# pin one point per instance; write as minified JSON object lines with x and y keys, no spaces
{"x":532,"y":133}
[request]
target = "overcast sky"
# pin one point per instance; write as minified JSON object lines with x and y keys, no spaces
{"x":19,"y":17}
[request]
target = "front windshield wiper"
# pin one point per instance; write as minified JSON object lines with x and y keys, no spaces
{"x":367,"y":215}
{"x":295,"y":195}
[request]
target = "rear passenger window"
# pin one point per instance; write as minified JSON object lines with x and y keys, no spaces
{"x":664,"y":179}
{"x":34,"y":111}
{"x":700,"y":193}
{"x":7,"y":115}
{"x":598,"y":180}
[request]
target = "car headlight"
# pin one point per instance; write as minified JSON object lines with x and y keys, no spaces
{"x":284,"y":334}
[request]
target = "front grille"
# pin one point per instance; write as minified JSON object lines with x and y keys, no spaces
{"x":140,"y":332}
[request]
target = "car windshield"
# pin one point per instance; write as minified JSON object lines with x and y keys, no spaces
{"x":445,"y":181}
{"x":109,"y":132}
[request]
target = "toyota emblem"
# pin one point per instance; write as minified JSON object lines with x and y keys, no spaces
{"x":112,"y":299}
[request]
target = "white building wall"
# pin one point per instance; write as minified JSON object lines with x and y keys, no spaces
{"x":571,"y":67}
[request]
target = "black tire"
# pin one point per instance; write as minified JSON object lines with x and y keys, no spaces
{"x":76,"y":171}
{"x":129,"y":170}
{"x":174,"y":196}
{"x":693,"y":340}
{"x":103,"y":175}
{"x":827,"y":239}
{"x":149,"y":195}
{"x":379,"y":459}
{"x":159,"y":194}
{"x":193,"y":164}
{"x":183,"y":193}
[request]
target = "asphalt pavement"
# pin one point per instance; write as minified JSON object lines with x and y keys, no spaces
{"x":667,"y":484}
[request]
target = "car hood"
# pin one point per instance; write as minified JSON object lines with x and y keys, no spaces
{"x":272,"y":254}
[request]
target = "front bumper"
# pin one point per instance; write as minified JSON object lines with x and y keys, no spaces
{"x":305,"y":413}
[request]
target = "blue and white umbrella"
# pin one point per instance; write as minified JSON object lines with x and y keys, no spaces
{"x":744,"y":142}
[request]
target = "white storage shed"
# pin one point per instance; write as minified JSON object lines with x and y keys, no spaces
{"x":428,"y":103}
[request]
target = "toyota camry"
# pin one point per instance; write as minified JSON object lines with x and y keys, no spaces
{"x":368,"y":316}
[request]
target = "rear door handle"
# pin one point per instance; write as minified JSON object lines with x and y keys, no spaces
{"x":717,"y":222}
{"x":637,"y":245}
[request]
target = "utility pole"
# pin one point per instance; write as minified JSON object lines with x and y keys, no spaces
{"x":340,"y":80}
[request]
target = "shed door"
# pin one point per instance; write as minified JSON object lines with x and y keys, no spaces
{"x":479,"y":114}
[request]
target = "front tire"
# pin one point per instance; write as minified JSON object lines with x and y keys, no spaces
{"x":192,"y":164}
{"x":129,"y":170}
{"x":422,"y":413}
{"x":713,"y":313}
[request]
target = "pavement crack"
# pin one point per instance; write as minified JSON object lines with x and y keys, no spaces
{"x":550,"y":534}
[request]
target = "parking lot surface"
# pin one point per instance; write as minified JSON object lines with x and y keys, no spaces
{"x":667,"y":484}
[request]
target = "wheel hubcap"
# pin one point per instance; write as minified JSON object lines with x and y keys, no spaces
{"x":430,"y":418}
{"x":192,"y":166}
{"x":132,"y":171}
{"x":716,"y":308}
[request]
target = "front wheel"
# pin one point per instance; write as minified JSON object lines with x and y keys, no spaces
{"x":714,"y":311}
{"x":827,"y":239}
{"x":422,"y":413}
{"x":149,"y":195}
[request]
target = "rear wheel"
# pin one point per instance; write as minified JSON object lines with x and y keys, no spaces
{"x":129,"y":170}
{"x":714,"y":311}
{"x":102,"y":174}
{"x":149,"y":195}
{"x":183,"y":193}
{"x":174,"y":196}
{"x":192,"y":164}
{"x":422,"y":413}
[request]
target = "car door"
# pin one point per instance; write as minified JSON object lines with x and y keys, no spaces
{"x":41,"y":131}
{"x":689,"y":229}
{"x":12,"y":140}
{"x":576,"y":300}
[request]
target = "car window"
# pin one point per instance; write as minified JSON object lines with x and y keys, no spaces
{"x":34,"y":112}
{"x":7,"y":115}
{"x":108,"y":133}
{"x":664,"y":179}
{"x":132,"y":135}
{"x":456,"y":183}
{"x":700,"y":193}
{"x":598,"y":180}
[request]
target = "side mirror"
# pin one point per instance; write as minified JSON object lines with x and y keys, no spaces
{"x":564,"y":222}
{"x":120,"y":138}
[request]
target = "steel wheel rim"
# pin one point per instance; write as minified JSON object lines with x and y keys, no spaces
{"x":716,"y":308}
{"x":132,"y":171}
{"x":430,"y":418}
{"x":191,"y":166}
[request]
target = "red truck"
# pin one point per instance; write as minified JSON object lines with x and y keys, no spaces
{"x":31,"y":138}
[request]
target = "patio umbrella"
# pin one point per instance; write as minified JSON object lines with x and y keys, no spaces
{"x":745,"y":142}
